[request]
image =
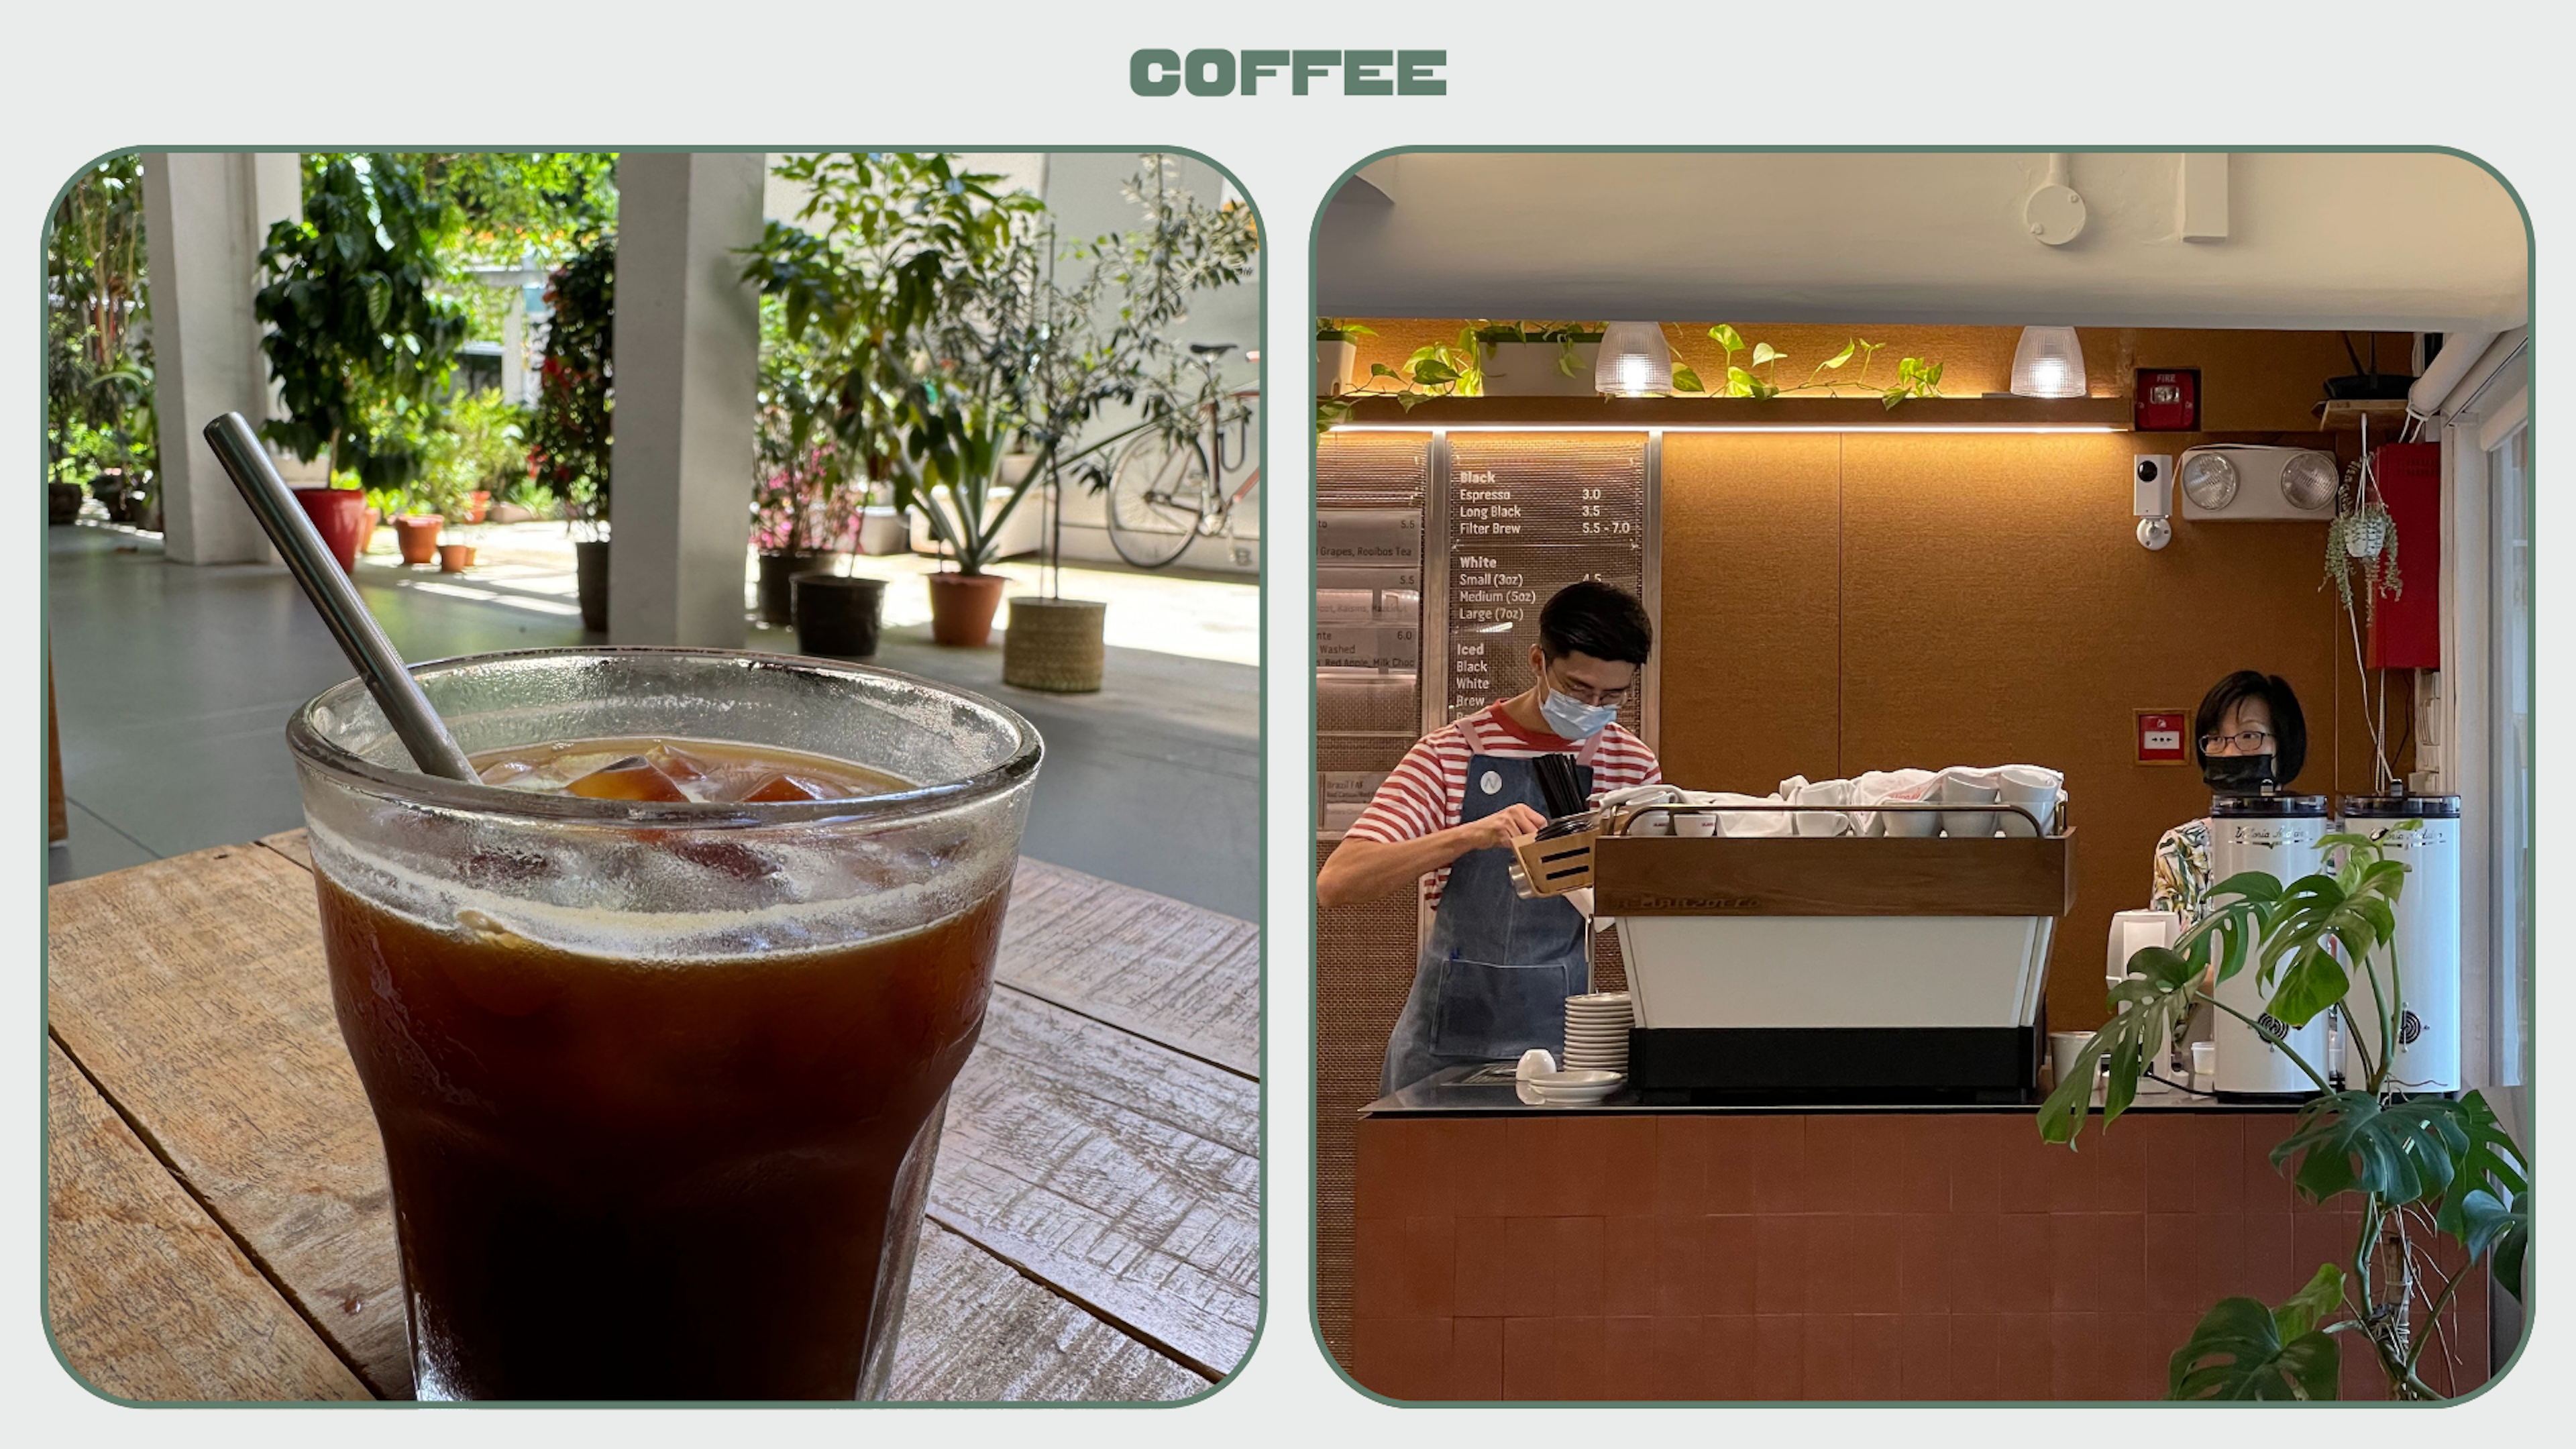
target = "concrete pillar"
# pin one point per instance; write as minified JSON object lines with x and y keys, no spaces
{"x":206,"y":215}
{"x":687,"y":350}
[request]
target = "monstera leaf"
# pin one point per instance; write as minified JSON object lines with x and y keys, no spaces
{"x":2145,"y":1010}
{"x":2349,"y":1141}
{"x":2242,"y":1350}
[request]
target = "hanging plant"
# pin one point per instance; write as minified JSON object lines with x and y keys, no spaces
{"x":2361,"y":543}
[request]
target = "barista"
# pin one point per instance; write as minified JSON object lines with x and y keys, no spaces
{"x":1493,"y":979}
{"x":2249,"y":738}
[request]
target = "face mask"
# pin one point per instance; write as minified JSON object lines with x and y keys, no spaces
{"x":1573,"y":719}
{"x":2237,"y":774}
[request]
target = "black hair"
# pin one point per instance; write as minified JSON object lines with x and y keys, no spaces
{"x":2289,"y":726}
{"x":1602,"y":620}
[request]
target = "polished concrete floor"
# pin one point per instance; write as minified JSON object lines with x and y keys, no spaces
{"x":173,"y":684}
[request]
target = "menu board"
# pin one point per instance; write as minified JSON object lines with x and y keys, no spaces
{"x":1527,"y":514}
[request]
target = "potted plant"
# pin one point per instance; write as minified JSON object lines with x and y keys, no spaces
{"x":2419,"y":1165}
{"x":360,"y":341}
{"x":569,"y":436}
{"x":1538,"y":359}
{"x":1337,"y":353}
{"x":804,"y":505}
{"x":852,"y":320}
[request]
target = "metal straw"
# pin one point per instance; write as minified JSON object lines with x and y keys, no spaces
{"x":300,"y":544}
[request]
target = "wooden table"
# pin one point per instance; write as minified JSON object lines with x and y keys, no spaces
{"x":220,"y":1225}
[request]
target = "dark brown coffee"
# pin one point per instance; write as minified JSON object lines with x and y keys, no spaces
{"x":638,"y":1179}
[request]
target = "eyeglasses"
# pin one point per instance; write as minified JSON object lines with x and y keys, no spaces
{"x":1594,"y":697}
{"x":2245,"y":742}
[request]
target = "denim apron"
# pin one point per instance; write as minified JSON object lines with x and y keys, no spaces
{"x":1492,"y":982}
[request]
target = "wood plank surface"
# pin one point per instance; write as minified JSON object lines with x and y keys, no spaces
{"x":1161,"y":968}
{"x":1128,"y":1177}
{"x":193,"y":991}
{"x":146,"y":1296}
{"x":976,"y":1331}
{"x":1851,"y":875}
{"x":1117,"y":1171}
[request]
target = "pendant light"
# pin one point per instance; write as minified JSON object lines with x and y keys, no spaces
{"x":1634,"y":361}
{"x":2048,"y":363}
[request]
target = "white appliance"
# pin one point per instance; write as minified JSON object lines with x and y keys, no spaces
{"x":2428,"y":939}
{"x":2280,"y":835}
{"x":2132,"y":932}
{"x":2233,"y":482}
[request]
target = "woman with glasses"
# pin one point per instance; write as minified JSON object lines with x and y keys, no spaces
{"x":1493,"y":979}
{"x":2249,"y":736}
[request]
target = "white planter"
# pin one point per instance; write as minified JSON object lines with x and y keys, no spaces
{"x":1528,"y":369}
{"x":1335,"y":365}
{"x":883,"y":530}
{"x":1023,"y":533}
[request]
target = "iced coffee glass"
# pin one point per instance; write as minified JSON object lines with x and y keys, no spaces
{"x":660,"y":1080}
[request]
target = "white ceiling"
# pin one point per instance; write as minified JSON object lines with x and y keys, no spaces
{"x":2396,"y":241}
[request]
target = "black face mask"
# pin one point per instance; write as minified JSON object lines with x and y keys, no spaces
{"x":2237,"y":774}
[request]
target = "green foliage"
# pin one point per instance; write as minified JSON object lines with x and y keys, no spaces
{"x":1759,"y":375}
{"x":507,"y":206}
{"x":360,"y":341}
{"x":933,"y":334}
{"x":569,"y":436}
{"x":98,"y":355}
{"x":2323,"y":940}
{"x":1341,"y":329}
{"x":2242,"y":1350}
{"x":483,"y":448}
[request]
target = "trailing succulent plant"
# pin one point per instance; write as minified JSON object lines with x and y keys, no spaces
{"x":2361,"y":543}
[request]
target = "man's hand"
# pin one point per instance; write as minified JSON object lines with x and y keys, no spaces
{"x":1502,"y":827}
{"x":1363,"y":870}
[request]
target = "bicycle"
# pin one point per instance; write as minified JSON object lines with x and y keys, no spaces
{"x":1167,"y":490}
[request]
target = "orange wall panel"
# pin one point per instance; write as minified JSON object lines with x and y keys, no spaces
{"x":1751,"y":622}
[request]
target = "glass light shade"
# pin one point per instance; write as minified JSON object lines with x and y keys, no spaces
{"x":2048,"y":363}
{"x":1634,"y":361}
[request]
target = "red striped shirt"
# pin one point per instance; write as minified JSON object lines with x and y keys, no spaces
{"x":1428,"y":791}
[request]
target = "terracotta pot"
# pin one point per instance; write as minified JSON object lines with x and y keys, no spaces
{"x":340,"y":516}
{"x":417,"y":536}
{"x":778,"y":573}
{"x":837,"y":615}
{"x":513,"y":513}
{"x":590,"y":580}
{"x":455,"y":558}
{"x":961,"y":608}
{"x":475,"y":504}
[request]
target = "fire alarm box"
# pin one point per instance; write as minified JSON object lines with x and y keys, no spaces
{"x":2406,"y":630}
{"x":2168,"y":400}
{"x":2164,"y":736}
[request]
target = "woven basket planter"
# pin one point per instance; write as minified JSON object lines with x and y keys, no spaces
{"x":1054,"y":645}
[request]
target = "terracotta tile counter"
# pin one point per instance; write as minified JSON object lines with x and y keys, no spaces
{"x":1748,"y":1254}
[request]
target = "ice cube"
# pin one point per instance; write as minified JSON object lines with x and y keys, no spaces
{"x":783,"y":787}
{"x":630,"y":778}
{"x":506,"y":772}
{"x":679,"y":764}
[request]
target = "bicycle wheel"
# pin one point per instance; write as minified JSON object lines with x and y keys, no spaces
{"x":1159,"y":495}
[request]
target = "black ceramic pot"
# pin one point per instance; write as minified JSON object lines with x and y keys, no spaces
{"x":590,"y":576}
{"x":838,"y":616}
{"x":777,"y":573}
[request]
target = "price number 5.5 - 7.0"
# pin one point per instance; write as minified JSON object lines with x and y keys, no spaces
{"x":1593,"y":527}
